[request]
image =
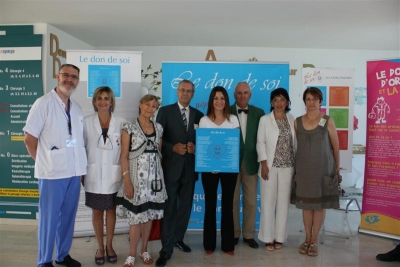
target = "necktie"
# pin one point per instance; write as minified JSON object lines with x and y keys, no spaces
{"x":184,"y":117}
{"x":243,"y":110}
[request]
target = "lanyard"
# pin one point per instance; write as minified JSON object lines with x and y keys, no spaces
{"x":69,"y":117}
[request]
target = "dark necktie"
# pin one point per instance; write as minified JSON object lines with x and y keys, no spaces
{"x":183,"y":111}
{"x":243,"y":110}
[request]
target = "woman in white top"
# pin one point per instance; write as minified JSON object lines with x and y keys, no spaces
{"x":102,"y":134}
{"x":276,"y":146}
{"x":218,"y":116}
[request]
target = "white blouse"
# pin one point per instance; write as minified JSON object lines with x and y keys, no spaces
{"x":233,"y":122}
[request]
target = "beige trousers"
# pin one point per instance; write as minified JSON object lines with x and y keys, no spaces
{"x":249,"y":197}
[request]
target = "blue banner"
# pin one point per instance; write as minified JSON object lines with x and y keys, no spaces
{"x":261,"y":76}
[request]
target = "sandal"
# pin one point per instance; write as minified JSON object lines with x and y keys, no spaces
{"x":146,"y":258}
{"x":209,"y":252}
{"x":303,"y":249}
{"x":111,"y":258}
{"x":99,"y":260}
{"x":313,"y":250}
{"x":270,"y":246}
{"x":129,"y":262}
{"x":278,"y":245}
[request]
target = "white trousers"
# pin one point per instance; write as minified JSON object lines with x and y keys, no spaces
{"x":275,"y":200}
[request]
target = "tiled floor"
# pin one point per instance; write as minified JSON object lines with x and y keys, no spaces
{"x":342,"y":246}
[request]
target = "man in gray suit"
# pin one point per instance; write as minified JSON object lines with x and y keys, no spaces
{"x":179,"y":121}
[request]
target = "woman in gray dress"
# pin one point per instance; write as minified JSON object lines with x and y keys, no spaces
{"x":317,"y":168}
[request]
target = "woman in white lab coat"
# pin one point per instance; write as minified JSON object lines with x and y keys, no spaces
{"x":102,"y":134}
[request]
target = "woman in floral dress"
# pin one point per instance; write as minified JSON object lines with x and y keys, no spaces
{"x":142,"y":196}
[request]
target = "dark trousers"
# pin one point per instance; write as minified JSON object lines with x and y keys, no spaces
{"x":177,"y":213}
{"x":210,"y":183}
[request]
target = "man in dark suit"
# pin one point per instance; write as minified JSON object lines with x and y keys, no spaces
{"x":249,"y":117}
{"x":179,"y":121}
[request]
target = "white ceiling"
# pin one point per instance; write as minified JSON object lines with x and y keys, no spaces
{"x":339,"y":24}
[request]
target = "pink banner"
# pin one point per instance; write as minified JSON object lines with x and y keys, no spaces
{"x":381,"y":198}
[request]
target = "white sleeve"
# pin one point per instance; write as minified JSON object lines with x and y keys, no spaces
{"x":36,"y":118}
{"x":203,"y":122}
{"x":262,"y":139}
{"x":235,"y":121}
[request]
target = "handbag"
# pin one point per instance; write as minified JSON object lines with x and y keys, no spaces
{"x":155,"y":232}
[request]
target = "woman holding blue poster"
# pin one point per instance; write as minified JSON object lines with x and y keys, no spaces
{"x":218,"y":116}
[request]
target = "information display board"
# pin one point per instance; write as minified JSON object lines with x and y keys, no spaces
{"x":21,"y":84}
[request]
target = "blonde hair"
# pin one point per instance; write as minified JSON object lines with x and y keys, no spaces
{"x":99,"y":91}
{"x":148,"y":98}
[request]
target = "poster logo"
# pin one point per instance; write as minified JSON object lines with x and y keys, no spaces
{"x":372,"y":219}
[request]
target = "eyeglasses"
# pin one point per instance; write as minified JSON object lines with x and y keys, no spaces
{"x":312,"y":100}
{"x":104,"y":145}
{"x":67,"y":75}
{"x":189,"y":91}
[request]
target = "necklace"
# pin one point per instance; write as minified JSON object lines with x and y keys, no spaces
{"x":105,"y":125}
{"x":147,"y":126}
{"x":313,"y":121}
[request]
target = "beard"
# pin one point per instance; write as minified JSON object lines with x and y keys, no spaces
{"x":65,"y":88}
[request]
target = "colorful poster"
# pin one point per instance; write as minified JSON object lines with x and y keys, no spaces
{"x":337,"y":86}
{"x":21,"y":83}
{"x":263,"y":77}
{"x":381,"y":199}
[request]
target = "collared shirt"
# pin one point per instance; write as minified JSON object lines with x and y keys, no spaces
{"x":186,"y":112}
{"x":48,"y":122}
{"x":243,"y":121}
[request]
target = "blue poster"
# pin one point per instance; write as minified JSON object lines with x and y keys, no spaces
{"x":104,"y":75}
{"x":217,"y":150}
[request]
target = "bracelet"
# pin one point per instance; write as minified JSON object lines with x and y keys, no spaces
{"x":125,"y":172}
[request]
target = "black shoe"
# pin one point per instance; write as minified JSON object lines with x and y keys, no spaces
{"x":162,"y":260}
{"x":393,"y":255}
{"x":69,"y":262}
{"x":182,"y":246}
{"x":236,"y":241}
{"x":252,"y":243}
{"x":48,"y":264}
